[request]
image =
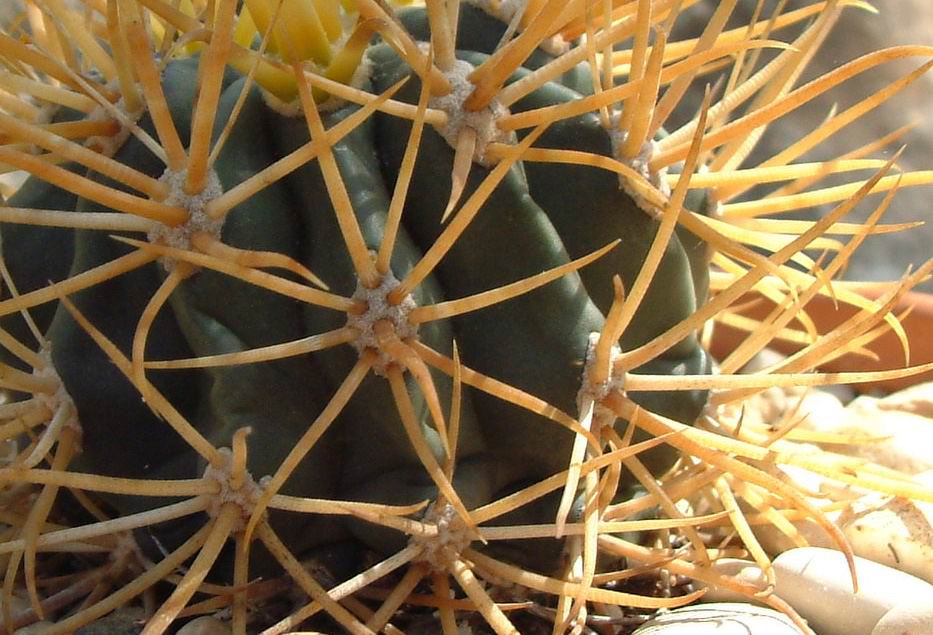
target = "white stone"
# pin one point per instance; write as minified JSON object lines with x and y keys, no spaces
{"x":775,"y":542}
{"x":909,"y":434}
{"x":205,"y":625}
{"x":762,"y":360}
{"x":916,"y":400}
{"x":761,"y":409}
{"x":894,"y":531}
{"x":898,"y":429}
{"x":845,"y":393}
{"x":817,"y":406}
{"x":910,"y":618}
{"x":901,"y":425}
{"x":743,"y":571}
{"x":816,"y":409}
{"x":719,"y":619}
{"x":817,"y":584}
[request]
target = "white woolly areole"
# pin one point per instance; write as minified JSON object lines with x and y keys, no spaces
{"x":598,"y":392}
{"x":641,"y":165}
{"x":714,"y":209}
{"x":245,"y":496}
{"x":452,"y":536}
{"x":60,"y":399}
{"x":482,"y":121}
{"x":108,"y":145}
{"x":379,"y":308}
{"x":198,"y":221}
{"x":508,"y":10}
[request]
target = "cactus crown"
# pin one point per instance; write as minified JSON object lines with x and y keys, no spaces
{"x":430,"y":284}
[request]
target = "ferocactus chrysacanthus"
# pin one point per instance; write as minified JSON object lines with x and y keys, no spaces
{"x":539,"y":217}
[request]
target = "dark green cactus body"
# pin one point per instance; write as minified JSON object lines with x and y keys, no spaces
{"x":539,"y":217}
{"x":35,"y":255}
{"x":380,"y":463}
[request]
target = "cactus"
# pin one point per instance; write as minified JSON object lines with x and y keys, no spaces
{"x":431,"y":288}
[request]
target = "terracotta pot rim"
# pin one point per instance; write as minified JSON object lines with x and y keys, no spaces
{"x":827,"y":314}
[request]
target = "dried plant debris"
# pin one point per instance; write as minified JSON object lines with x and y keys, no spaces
{"x":396,"y":317}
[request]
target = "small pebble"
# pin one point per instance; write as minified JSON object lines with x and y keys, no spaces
{"x":726,"y":618}
{"x":205,"y":625}
{"x":816,"y":582}
{"x":911,"y":618}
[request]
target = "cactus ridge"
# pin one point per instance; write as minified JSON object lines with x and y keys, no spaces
{"x":425,"y":295}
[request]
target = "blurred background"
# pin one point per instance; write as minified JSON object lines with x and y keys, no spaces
{"x":898,"y":22}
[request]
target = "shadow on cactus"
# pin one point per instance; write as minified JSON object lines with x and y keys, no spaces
{"x":421,"y":298}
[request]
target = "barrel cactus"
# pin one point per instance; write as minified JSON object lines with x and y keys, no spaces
{"x":328,"y":282}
